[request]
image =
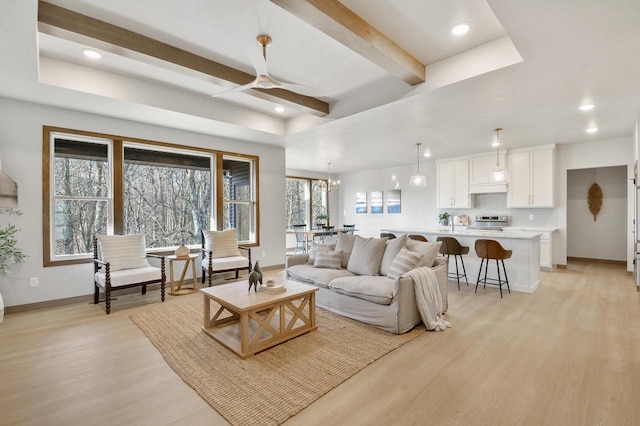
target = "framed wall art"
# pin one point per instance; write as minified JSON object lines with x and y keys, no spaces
{"x":377,"y":205}
{"x":361,"y":202}
{"x":393,"y":201}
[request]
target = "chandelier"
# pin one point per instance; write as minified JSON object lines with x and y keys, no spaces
{"x":418,"y":179}
{"x":332,"y":185}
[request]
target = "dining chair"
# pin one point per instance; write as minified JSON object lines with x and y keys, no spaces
{"x":301,"y":236}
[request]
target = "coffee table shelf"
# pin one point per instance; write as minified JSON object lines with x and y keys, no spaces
{"x":249,"y":322}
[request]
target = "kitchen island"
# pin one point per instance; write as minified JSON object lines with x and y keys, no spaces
{"x":523,"y":269}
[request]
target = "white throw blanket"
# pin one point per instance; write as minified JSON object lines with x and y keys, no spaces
{"x":428,"y":298}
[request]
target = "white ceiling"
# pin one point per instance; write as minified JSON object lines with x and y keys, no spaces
{"x":525,"y":66}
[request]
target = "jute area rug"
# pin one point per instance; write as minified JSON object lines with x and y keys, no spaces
{"x":275,"y":384}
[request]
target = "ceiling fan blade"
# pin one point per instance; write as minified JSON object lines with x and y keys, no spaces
{"x":234,"y":90}
{"x":258,"y":62}
{"x":302,"y":90}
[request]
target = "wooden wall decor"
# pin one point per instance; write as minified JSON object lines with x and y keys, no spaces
{"x":595,"y":200}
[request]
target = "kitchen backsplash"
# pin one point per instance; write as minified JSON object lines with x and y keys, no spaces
{"x":496,"y":204}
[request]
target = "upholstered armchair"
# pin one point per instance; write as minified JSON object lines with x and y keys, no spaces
{"x":221,"y":253}
{"x":119,"y":262}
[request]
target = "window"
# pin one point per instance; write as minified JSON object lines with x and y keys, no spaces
{"x":238,"y":198}
{"x":305,"y":200}
{"x":166,"y":195}
{"x":81,"y":194}
{"x":96,"y":184}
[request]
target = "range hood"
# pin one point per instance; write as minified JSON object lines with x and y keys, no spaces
{"x":8,"y":190}
{"x":488,"y":188}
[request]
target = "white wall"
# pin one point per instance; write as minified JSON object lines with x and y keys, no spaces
{"x":605,"y":237}
{"x":21,"y":153}
{"x":418,"y":205}
{"x":602,"y":153}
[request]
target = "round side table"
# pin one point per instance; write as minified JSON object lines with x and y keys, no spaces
{"x":181,"y":287}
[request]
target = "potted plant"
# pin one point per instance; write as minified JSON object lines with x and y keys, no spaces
{"x":443,"y":218}
{"x":322,"y":219}
{"x":9,"y":253}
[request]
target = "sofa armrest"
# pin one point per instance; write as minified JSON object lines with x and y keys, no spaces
{"x":296,"y":259}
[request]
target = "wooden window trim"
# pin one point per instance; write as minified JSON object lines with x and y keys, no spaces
{"x":118,"y":202}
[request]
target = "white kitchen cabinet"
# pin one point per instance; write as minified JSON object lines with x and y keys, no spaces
{"x":452,"y":185}
{"x":481,"y":167}
{"x":531,"y":182}
{"x":545,"y":252}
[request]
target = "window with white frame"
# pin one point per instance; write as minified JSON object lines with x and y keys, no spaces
{"x":81,"y":196}
{"x":98,"y":185}
{"x":239,"y":198}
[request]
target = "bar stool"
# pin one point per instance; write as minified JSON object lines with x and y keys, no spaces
{"x":418,"y":237}
{"x":491,"y":249}
{"x":451,"y":246}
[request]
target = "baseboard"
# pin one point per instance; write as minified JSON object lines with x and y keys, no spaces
{"x":88,"y":298}
{"x":587,"y":259}
{"x":559,"y":266}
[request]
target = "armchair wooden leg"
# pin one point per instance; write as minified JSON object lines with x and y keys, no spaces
{"x":162,"y":290}
{"x":210,"y":278}
{"x":144,"y":289}
{"x":96,"y":293}
{"x":204,"y":273}
{"x":107,"y":300}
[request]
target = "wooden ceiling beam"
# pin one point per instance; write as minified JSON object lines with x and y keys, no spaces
{"x":69,"y":20}
{"x":341,"y":23}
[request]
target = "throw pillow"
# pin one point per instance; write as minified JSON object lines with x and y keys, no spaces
{"x":429,"y":251}
{"x":221,"y":243}
{"x":316,"y":248}
{"x":345,"y":244}
{"x":404,"y":262}
{"x":123,"y":251}
{"x":391,"y":251}
{"x":366,"y":255}
{"x":328,"y":259}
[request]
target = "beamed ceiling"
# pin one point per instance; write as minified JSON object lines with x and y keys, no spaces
{"x":390,"y":72}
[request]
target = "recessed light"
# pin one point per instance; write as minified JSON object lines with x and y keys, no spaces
{"x":461,"y":29}
{"x":279,"y":108}
{"x":427,"y":153}
{"x":586,"y":107}
{"x":91,"y":54}
{"x":592,"y":129}
{"x":495,"y":144}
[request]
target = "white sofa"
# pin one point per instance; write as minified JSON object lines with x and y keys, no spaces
{"x":373,"y":298}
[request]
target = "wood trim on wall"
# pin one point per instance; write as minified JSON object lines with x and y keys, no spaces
{"x":118,"y":202}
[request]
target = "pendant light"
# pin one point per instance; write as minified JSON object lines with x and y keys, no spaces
{"x":418,"y":179}
{"x":499,"y":174}
{"x":332,"y":185}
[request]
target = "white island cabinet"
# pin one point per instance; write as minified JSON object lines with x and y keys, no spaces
{"x":531,"y":182}
{"x":523,"y":268}
{"x":452,"y":186}
{"x":546,"y":243}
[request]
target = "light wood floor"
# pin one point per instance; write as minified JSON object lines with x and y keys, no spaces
{"x":568,"y":354}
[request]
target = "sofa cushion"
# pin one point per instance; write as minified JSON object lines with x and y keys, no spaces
{"x":366,"y":255}
{"x":391,"y":251}
{"x":373,"y":289}
{"x":345,"y":243}
{"x":123,"y":251}
{"x":328,"y":259}
{"x":316,"y":248}
{"x":429,"y":251}
{"x":316,"y":276}
{"x":404,"y":262}
{"x":221,"y":243}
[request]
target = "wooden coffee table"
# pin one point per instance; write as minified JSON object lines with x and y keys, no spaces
{"x":248,"y":322}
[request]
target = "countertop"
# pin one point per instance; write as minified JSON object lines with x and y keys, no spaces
{"x":507,"y":233}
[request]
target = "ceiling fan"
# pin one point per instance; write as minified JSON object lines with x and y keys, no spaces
{"x":264,"y":80}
